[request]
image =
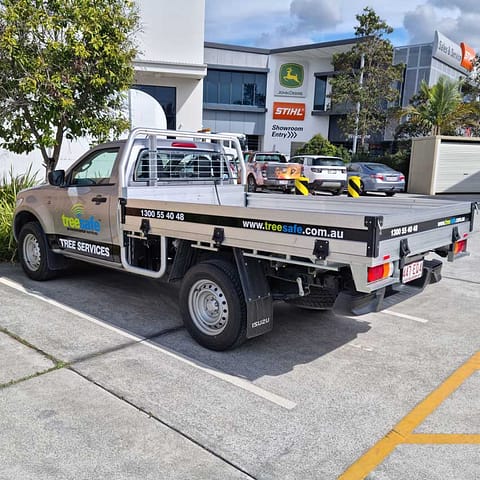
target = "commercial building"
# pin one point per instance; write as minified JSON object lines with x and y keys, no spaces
{"x":277,"y":97}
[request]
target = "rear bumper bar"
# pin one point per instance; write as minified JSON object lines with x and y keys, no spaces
{"x":355,"y":303}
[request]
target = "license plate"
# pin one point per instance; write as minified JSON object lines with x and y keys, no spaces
{"x":333,"y":171}
{"x":391,"y":179}
{"x":412,"y":271}
{"x":283,"y":182}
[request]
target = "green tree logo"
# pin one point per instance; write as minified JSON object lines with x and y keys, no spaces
{"x":291,"y":75}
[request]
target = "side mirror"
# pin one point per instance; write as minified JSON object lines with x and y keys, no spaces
{"x":56,"y":178}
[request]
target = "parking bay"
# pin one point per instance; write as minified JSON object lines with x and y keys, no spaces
{"x":305,"y":401}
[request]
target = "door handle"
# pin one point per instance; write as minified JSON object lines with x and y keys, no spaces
{"x":99,"y":199}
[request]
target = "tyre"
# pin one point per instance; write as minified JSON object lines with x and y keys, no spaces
{"x":212,"y":305}
{"x":33,"y":252}
{"x":389,"y":194}
{"x":362,"y":189}
{"x":337,"y":192}
{"x":251,"y":184}
{"x":317,"y":299}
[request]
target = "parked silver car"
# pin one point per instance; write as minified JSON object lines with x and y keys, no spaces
{"x":377,"y":177}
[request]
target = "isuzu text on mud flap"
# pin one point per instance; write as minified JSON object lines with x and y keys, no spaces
{"x":164,"y":204}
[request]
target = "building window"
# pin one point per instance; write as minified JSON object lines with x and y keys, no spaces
{"x":235,"y":88}
{"x":166,"y":97}
{"x":320,"y":93}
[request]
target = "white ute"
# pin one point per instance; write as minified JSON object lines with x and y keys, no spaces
{"x":163,"y":204}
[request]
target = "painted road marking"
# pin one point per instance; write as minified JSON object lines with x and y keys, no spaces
{"x":232,"y":379}
{"x":404,"y":315}
{"x":445,"y":438}
{"x":402,"y":432}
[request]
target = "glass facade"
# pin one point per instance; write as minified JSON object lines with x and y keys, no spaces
{"x":420,"y":65}
{"x":224,"y":87}
{"x":320,"y":93}
{"x":166,"y":97}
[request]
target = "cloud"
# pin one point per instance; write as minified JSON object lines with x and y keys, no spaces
{"x":316,"y":14}
{"x":307,"y":17}
{"x":459,"y":22}
{"x":464,"y":5}
{"x":281,"y":23}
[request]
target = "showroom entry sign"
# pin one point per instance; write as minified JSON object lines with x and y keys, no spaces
{"x":291,"y":80}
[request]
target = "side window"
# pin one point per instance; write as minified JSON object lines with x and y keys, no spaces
{"x":95,"y":169}
{"x":353,"y":168}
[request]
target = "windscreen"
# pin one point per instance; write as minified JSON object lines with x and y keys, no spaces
{"x":327,"y":162}
{"x":379,"y":167}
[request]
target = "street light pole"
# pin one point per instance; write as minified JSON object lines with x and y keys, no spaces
{"x":357,"y":114}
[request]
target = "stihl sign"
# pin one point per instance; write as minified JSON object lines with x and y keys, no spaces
{"x":288,"y":111}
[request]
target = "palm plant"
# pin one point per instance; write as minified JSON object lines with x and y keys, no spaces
{"x":440,"y":109}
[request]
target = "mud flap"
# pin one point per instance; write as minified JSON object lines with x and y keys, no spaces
{"x":257,"y":294}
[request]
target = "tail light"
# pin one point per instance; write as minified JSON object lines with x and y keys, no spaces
{"x":184,"y":145}
{"x":316,"y":170}
{"x":401,"y":178}
{"x":459,"y":247}
{"x":379,"y":272}
{"x":377,"y":176}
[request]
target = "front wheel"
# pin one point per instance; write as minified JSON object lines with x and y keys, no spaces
{"x":251,"y":184}
{"x":212,"y":305}
{"x":33,"y":252}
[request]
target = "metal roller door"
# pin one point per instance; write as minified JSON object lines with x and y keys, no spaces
{"x":458,"y":168}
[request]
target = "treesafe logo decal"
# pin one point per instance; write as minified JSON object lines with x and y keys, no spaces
{"x":78,"y":222}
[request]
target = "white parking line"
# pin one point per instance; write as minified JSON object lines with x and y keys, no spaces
{"x":232,"y":379}
{"x":404,"y":315}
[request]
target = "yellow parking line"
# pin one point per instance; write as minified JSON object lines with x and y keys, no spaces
{"x":443,"y":438}
{"x":403,"y":430}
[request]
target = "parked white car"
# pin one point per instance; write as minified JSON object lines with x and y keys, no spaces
{"x":324,"y":173}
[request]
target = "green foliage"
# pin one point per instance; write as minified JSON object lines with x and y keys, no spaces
{"x":319,"y":145}
{"x":64,"y":69}
{"x":364,"y":85}
{"x":438,"y":110}
{"x":9,"y":187}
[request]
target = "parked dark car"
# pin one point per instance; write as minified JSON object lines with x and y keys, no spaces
{"x":377,"y":177}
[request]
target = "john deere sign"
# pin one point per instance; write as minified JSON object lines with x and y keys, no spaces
{"x":291,"y":80}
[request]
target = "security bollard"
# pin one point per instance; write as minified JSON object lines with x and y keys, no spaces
{"x":301,"y":186}
{"x":354,"y":189}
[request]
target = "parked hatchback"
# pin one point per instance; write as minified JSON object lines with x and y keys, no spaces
{"x":377,"y":177}
{"x":324,"y":173}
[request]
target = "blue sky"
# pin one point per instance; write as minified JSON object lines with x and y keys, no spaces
{"x":281,"y":23}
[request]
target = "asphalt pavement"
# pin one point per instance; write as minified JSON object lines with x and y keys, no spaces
{"x":98,"y":379}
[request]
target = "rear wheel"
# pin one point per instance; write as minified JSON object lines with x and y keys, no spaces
{"x":33,"y":252}
{"x":389,"y":194}
{"x":337,"y":192}
{"x":212,"y":305}
{"x":251,"y":184}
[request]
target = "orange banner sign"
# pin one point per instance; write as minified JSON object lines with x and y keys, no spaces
{"x":468,"y":56}
{"x":288,"y":111}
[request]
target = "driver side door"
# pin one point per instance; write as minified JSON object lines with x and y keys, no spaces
{"x":82,"y":206}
